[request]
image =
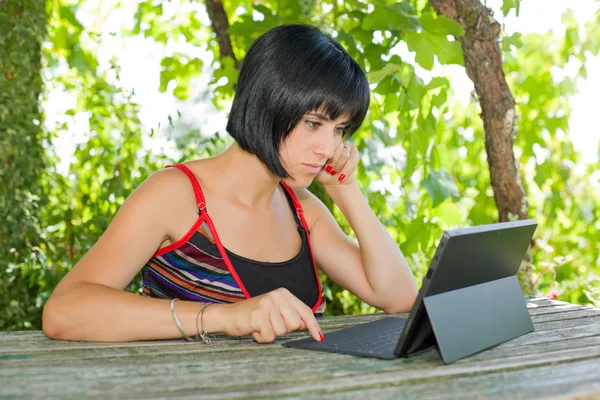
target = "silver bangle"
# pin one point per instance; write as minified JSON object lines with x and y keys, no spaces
{"x":202,"y":335}
{"x":189,"y":339}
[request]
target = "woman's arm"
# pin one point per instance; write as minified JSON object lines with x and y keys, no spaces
{"x":89,"y":303}
{"x":374,"y":269}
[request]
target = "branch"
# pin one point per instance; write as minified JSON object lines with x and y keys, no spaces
{"x":483,"y":64}
{"x":220,"y":25}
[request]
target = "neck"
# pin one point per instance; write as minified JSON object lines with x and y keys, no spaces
{"x":246,"y":178}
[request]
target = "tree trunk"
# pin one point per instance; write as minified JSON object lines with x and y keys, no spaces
{"x":483,"y":63}
{"x":220,"y":24}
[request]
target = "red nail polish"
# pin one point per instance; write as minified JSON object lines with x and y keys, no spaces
{"x":333,"y":172}
{"x":329,"y":168}
{"x":341,"y":178}
{"x":321,"y":336}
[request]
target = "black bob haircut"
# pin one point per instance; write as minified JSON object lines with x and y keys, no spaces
{"x":289,"y":71}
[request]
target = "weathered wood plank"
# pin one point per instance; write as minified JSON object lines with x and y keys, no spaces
{"x":297,"y":369}
{"x":564,"y":323}
{"x":50,"y":358}
{"x":36,"y":341}
{"x":566,"y":335}
{"x":562,"y":315}
{"x":41,"y":344}
{"x":327,"y":372}
{"x":549,"y":381}
{"x":556,"y":308}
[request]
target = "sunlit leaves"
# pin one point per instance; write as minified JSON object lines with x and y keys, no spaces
{"x":448,"y":214}
{"x":179,"y":68}
{"x":432,"y":41}
{"x":246,"y":29}
{"x":508,"y":5}
{"x":429,"y":149}
{"x":224,"y":79}
{"x":440,"y":25}
{"x":398,"y":16}
{"x":512,"y":40}
{"x":440,"y":186}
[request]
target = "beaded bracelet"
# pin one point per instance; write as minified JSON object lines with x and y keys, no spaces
{"x":189,"y":339}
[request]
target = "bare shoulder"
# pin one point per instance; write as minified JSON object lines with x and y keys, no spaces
{"x":161,"y":207}
{"x":167,"y":186}
{"x":171,"y":194}
{"x":313,"y":206}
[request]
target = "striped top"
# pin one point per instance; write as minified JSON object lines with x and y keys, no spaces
{"x":198,"y":268}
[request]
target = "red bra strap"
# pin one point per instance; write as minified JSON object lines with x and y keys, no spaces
{"x":297,"y":204}
{"x":305,"y":225}
{"x":197,"y":189}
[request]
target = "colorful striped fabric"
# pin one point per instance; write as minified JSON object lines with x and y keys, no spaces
{"x":194,"y":269}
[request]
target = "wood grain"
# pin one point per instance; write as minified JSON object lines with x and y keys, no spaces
{"x":561,"y":357}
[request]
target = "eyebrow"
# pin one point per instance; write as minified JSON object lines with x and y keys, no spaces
{"x":325,"y":117}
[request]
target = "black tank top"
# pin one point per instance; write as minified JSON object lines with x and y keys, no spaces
{"x":198,"y":267}
{"x":296,"y":274}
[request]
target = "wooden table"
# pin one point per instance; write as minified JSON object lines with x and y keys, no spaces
{"x":561,"y":358}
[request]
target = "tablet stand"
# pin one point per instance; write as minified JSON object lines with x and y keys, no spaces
{"x":469,"y":320}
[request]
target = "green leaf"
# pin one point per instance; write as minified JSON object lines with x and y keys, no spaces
{"x":59,"y":39}
{"x":440,"y":186}
{"x":415,"y":151}
{"x":377,"y":76}
{"x":448,"y":214}
{"x":392,"y":103}
{"x":418,"y":235}
{"x":419,"y":43}
{"x":426,"y":45}
{"x":435,"y":160}
{"x":440,"y":99}
{"x":68,"y":14}
{"x":512,"y":40}
{"x":180,"y":69}
{"x":508,"y":5}
{"x":440,"y":25}
{"x":414,"y":93}
{"x":437,"y":82}
{"x":399,"y":16}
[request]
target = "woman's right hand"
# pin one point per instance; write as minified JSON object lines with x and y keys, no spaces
{"x":270,"y":315}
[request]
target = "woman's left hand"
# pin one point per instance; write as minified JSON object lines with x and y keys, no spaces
{"x":339,"y":169}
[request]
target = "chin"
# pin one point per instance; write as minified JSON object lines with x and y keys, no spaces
{"x":299,"y":183}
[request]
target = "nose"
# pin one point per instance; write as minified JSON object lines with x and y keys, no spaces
{"x":325,"y":146}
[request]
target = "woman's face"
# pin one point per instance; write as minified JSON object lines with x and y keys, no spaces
{"x":304,"y":152}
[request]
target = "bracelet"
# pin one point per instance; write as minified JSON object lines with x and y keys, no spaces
{"x":204,"y":335}
{"x":189,"y":339}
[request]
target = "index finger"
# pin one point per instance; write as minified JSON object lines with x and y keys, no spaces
{"x":309,"y":320}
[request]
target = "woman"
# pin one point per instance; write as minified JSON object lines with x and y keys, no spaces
{"x":239,"y":231}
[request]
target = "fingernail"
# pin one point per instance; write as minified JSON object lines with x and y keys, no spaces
{"x":321,"y":336}
{"x":333,"y":172}
{"x":341,"y":178}
{"x":329,"y":168}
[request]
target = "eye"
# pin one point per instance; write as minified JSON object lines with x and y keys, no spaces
{"x":313,"y":124}
{"x":341,"y":130}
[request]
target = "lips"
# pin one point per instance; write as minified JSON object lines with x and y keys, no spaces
{"x":313,"y":168}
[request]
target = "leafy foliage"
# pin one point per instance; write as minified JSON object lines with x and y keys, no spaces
{"x":423,"y":165}
{"x":22,"y":160}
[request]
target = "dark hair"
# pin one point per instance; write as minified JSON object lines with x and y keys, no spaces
{"x":288,"y":71}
